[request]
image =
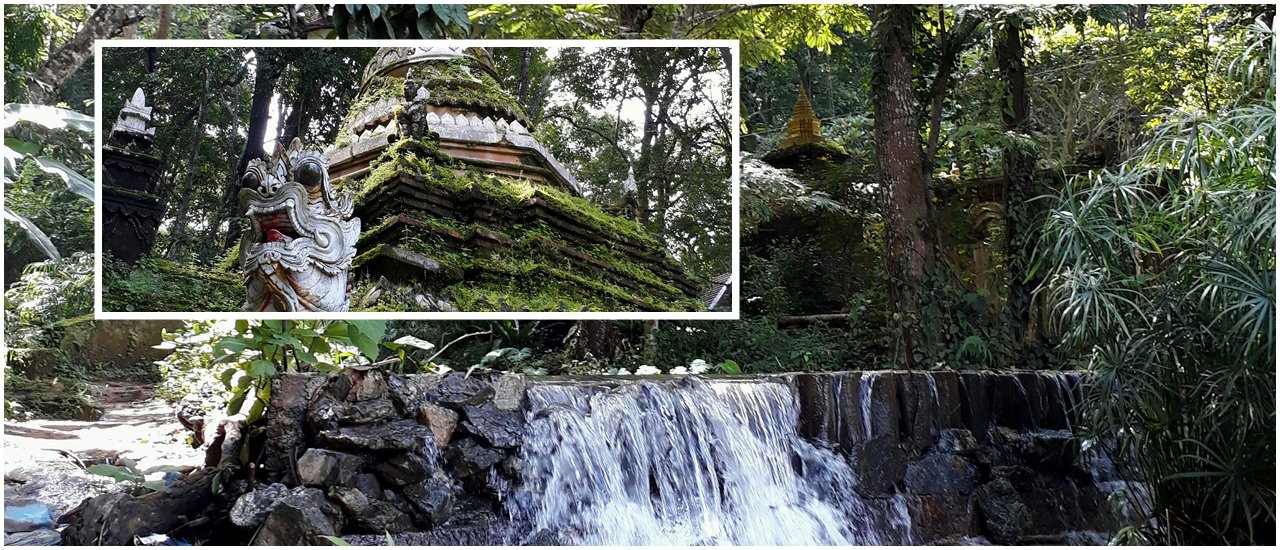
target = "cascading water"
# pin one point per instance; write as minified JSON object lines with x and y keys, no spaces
{"x":686,"y":463}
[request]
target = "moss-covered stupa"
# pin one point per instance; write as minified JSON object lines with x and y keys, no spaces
{"x":465,"y":210}
{"x":803,"y":146}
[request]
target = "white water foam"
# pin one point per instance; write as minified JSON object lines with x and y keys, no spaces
{"x":687,"y":463}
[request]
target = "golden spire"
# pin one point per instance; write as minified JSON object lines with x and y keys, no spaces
{"x":803,"y":126}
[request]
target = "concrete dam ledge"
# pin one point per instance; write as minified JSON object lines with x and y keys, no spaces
{"x":857,"y":457}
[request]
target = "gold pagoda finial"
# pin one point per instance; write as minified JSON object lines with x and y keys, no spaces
{"x":803,"y":127}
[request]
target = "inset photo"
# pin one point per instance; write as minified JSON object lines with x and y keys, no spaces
{"x":418,"y":179}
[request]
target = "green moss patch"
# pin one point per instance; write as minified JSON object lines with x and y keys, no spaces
{"x":160,"y":285}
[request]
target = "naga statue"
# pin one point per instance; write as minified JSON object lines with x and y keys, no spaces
{"x":296,"y":254}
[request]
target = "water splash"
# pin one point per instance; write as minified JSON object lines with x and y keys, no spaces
{"x":864,"y":400}
{"x":684,"y":463}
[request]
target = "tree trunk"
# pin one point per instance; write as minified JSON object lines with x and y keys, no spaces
{"x":1019,"y":167}
{"x":300,"y":113}
{"x":264,"y":87}
{"x":632,"y":18}
{"x":184,"y":199}
{"x":163,"y":23}
{"x":523,"y":94}
{"x":951,"y":44}
{"x":908,"y":244}
{"x":649,"y":349}
{"x":107,"y":21}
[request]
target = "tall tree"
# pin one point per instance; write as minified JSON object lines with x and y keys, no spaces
{"x":179,"y":228}
{"x":107,"y":21}
{"x":1019,"y":173}
{"x":908,"y":244}
{"x":267,"y":72}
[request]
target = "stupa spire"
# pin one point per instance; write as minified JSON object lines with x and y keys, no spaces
{"x":803,"y":127}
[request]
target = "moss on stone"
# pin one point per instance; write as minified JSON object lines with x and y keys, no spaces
{"x":457,"y":83}
{"x":160,"y":285}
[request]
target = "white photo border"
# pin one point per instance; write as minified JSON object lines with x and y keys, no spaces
{"x":735,"y":286}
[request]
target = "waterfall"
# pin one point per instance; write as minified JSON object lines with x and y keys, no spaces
{"x":864,"y":399}
{"x":686,"y":463}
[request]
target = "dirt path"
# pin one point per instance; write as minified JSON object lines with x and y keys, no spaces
{"x":43,"y":459}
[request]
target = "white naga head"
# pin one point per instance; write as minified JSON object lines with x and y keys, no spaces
{"x":296,"y":254}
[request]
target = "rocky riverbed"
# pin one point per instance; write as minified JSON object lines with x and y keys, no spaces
{"x":46,"y":461}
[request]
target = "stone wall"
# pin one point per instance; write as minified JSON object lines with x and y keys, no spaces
{"x":368,"y":452}
{"x":971,"y":456}
{"x":977,"y":454}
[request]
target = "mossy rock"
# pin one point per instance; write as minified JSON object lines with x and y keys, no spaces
{"x":161,"y":285}
{"x":48,"y":398}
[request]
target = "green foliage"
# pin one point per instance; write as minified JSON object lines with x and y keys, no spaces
{"x":422,"y":21}
{"x":766,"y":191}
{"x":257,"y":351}
{"x":30,"y":32}
{"x":1161,"y":277}
{"x":55,"y":398}
{"x":759,"y":346}
{"x":156,"y":284}
{"x":127,"y":471}
{"x":50,"y":295}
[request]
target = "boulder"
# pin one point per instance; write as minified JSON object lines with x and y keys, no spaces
{"x":368,"y":484}
{"x":457,"y":390}
{"x":941,"y":473}
{"x":1004,"y":516}
{"x":466,"y":457}
{"x":432,"y":499}
{"x":406,"y":468}
{"x":286,"y":414}
{"x":501,"y":428}
{"x":252,"y":508}
{"x":367,"y":412}
{"x":400,"y":435}
{"x":372,"y":515}
{"x":383,"y":517}
{"x":352,"y":501}
{"x":957,"y":441}
{"x":297,"y":520}
{"x":442,"y":422}
{"x":366,"y":384}
{"x":879,"y":465}
{"x":325,"y":413}
{"x":322,"y":467}
{"x":508,"y":392}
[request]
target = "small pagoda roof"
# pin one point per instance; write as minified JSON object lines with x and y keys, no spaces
{"x":804,"y":137}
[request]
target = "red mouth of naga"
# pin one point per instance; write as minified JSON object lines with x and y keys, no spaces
{"x":276,"y":227}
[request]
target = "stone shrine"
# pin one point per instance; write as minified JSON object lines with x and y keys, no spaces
{"x":131,"y":211}
{"x":465,"y":210}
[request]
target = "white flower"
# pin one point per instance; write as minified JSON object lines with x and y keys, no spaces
{"x":699,"y":366}
{"x":678,"y":370}
{"x":647,"y":370}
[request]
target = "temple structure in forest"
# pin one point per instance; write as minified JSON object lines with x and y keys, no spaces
{"x":131,"y":211}
{"x":803,"y":146}
{"x":465,"y":210}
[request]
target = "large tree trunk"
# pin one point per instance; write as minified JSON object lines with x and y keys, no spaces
{"x":264,"y":87}
{"x":1019,"y":168}
{"x":300,"y":113}
{"x":523,"y":95}
{"x":107,"y":21}
{"x":164,"y":22}
{"x":951,"y":43}
{"x":178,"y":232}
{"x":908,"y":245}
